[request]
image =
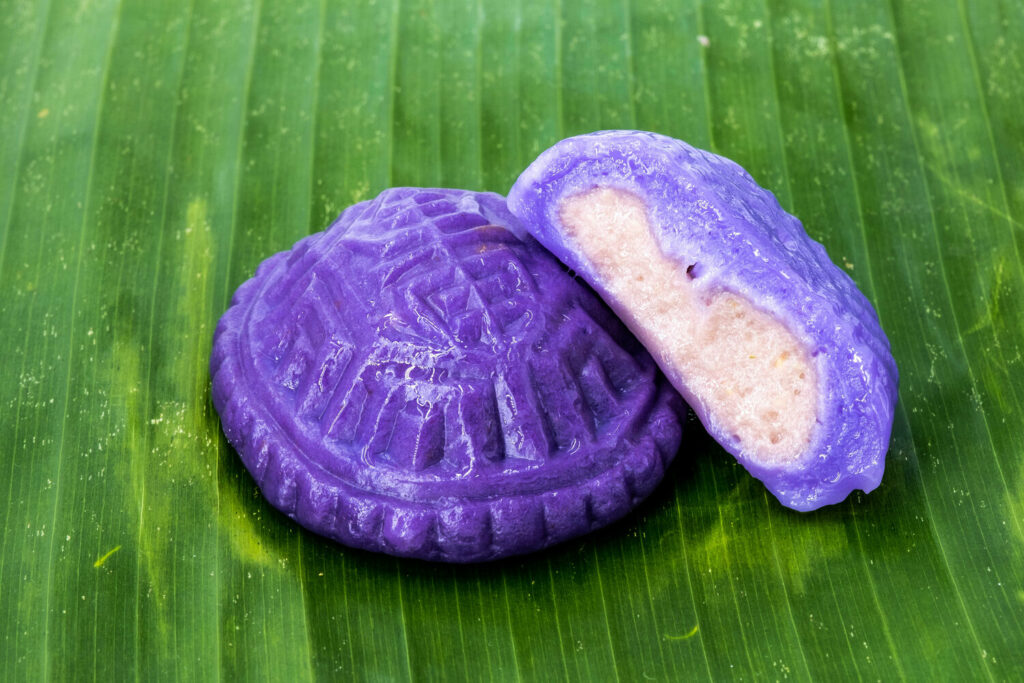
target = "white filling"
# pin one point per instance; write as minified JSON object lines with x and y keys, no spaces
{"x":746,"y":368}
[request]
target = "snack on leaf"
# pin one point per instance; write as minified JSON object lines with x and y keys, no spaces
{"x":419,"y":381}
{"x":773,"y":346}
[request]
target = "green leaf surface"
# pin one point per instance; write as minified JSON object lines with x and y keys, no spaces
{"x":155,"y":151}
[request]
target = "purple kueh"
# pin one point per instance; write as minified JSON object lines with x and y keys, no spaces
{"x":713,"y":222}
{"x":419,"y":380}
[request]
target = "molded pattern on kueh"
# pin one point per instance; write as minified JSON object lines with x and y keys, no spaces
{"x":417,"y":380}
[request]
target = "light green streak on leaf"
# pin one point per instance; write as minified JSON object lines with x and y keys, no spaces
{"x":686,"y":636}
{"x":103,"y":558}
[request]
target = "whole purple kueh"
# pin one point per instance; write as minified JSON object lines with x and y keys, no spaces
{"x":419,"y":381}
{"x":771,"y":344}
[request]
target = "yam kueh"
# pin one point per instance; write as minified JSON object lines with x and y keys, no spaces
{"x":420,"y":381}
{"x":432,"y":377}
{"x":773,"y":346}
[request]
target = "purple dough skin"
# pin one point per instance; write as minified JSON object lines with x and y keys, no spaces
{"x":706,"y":209}
{"x":419,"y":381}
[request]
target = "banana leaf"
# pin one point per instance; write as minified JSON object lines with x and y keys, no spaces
{"x":153,"y":152}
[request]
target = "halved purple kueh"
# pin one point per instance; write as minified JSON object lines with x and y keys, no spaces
{"x":418,"y":380}
{"x":774,"y":347}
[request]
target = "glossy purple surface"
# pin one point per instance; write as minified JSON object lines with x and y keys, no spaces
{"x":706,"y":210}
{"x":419,"y":381}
